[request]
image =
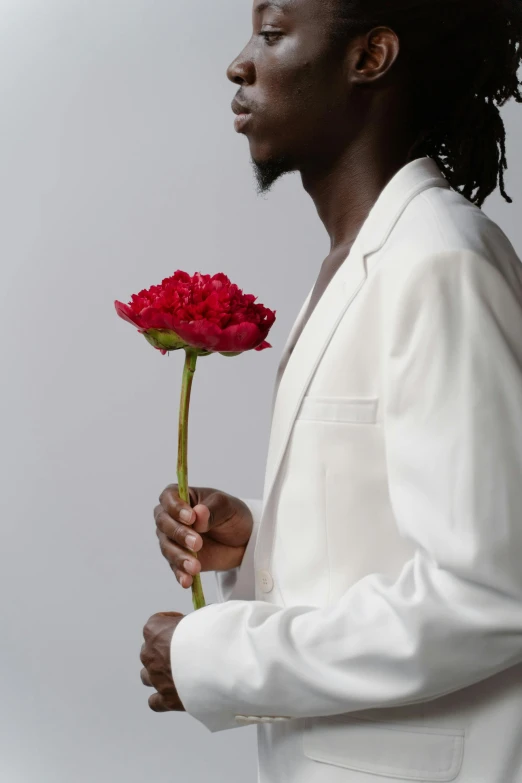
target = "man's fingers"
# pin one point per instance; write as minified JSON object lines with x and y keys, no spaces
{"x":145,"y":678}
{"x":144,"y":658}
{"x":157,"y":704}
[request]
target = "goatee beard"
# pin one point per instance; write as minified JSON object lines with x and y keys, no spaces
{"x":269,"y":171}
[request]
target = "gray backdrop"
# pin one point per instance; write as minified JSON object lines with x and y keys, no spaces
{"x":118,"y":165}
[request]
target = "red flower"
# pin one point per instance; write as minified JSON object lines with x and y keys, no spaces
{"x":208,"y":314}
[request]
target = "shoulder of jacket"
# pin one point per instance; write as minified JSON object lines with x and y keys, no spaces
{"x":441,"y":223}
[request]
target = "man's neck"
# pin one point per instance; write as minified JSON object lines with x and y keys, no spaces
{"x":345,"y":191}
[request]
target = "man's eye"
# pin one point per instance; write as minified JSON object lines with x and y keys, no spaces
{"x":271,"y":34}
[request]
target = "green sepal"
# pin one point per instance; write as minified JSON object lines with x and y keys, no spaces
{"x":163,"y":339}
{"x":167,"y":340}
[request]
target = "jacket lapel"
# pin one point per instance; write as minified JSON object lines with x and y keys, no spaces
{"x":340,"y":293}
{"x":284,"y":356}
{"x":307,"y":354}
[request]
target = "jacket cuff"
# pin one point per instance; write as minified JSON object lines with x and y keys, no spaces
{"x":204,"y":668}
{"x":190,"y":654}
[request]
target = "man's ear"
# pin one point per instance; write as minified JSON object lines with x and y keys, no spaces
{"x":373,"y":55}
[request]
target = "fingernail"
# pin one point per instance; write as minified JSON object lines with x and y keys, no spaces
{"x":191,"y":541}
{"x":186,"y":515}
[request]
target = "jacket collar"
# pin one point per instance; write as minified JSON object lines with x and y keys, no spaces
{"x":406,"y":183}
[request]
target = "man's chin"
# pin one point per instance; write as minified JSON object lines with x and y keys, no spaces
{"x":269,"y":170}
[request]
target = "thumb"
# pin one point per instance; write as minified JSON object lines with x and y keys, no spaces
{"x":216,"y":509}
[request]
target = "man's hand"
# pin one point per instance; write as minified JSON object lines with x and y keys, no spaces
{"x":221,"y":525}
{"x":155,"y":656}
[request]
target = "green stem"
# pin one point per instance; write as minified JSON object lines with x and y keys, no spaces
{"x":198,"y":599}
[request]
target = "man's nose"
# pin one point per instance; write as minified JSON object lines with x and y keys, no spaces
{"x":240,"y":71}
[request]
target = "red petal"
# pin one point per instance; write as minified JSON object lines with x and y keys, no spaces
{"x":125,"y":312}
{"x":200,"y":334}
{"x":240,"y":337}
{"x":152,"y":318}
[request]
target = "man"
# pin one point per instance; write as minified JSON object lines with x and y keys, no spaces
{"x":370,"y":612}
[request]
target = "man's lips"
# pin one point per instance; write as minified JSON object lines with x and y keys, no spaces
{"x":243,"y":115}
{"x":240,"y":121}
{"x":240,"y":108}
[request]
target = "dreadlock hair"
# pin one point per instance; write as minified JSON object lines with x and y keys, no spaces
{"x":462,"y":56}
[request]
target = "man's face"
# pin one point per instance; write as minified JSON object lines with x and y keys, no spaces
{"x":293,"y":82}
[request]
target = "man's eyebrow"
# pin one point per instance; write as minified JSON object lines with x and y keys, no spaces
{"x":280,"y":5}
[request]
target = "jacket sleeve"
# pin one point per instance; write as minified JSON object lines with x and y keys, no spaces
{"x":452,"y":423}
{"x":239,"y":583}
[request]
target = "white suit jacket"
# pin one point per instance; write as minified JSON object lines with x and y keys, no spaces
{"x":374,"y":629}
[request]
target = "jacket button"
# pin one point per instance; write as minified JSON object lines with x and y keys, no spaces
{"x":266,"y":583}
{"x":260,"y":719}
